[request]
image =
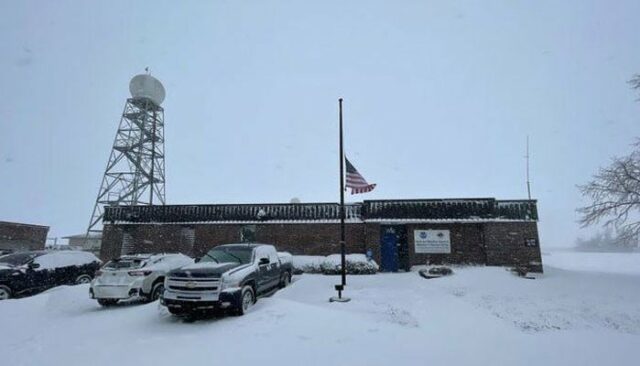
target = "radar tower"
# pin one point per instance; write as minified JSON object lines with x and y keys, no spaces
{"x":135,"y":172}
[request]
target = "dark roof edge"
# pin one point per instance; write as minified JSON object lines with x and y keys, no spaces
{"x":246,"y":204}
{"x":435,"y":199}
{"x":346,"y":203}
{"x":23,"y":224}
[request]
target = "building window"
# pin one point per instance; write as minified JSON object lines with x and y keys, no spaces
{"x":248,"y":234}
{"x":188,"y":237}
{"x":530,"y":242}
{"x":127,"y":244}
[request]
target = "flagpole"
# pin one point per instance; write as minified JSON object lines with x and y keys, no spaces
{"x":342,"y":213}
{"x":343,"y":266}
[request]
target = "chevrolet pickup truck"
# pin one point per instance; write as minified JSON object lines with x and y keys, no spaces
{"x":231,"y":276}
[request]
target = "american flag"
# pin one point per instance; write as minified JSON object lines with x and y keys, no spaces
{"x":355,"y":181}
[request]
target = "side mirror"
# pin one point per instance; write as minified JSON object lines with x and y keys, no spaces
{"x":263,"y":261}
{"x":34,"y":265}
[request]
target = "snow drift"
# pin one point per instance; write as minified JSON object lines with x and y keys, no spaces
{"x":332,"y":264}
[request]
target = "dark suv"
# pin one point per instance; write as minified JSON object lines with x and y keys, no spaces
{"x":28,"y":273}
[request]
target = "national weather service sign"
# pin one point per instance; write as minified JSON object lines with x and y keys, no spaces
{"x":432,"y":241}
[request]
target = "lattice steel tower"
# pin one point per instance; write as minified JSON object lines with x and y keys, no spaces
{"x":135,"y":170}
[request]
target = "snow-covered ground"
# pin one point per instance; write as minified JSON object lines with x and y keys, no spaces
{"x":480,"y":316}
{"x":623,"y":263}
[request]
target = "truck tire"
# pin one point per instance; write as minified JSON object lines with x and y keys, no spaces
{"x":177,"y":312}
{"x":5,"y":292}
{"x":107,"y":302}
{"x":286,"y":279}
{"x":247,"y":299}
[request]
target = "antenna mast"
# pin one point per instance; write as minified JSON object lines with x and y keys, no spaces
{"x":528,"y":182}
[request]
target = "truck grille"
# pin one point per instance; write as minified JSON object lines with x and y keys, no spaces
{"x":190,"y":275}
{"x":182,"y":288}
{"x":193,"y":285}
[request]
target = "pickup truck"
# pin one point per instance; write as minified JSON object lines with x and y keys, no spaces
{"x":230,"y":276}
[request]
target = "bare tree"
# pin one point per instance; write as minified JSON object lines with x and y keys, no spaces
{"x":635,"y":82}
{"x":606,"y":240}
{"x":614,"y":193}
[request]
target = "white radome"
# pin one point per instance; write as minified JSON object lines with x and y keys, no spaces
{"x":146,"y":86}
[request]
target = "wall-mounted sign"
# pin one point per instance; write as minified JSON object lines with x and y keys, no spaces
{"x":432,"y":241}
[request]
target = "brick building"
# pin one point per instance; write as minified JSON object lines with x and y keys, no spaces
{"x":399,"y":233}
{"x":18,"y":237}
{"x":89,"y":243}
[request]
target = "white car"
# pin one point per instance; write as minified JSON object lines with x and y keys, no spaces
{"x":134,"y":277}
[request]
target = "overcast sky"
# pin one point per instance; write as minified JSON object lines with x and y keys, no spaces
{"x":439,"y":98}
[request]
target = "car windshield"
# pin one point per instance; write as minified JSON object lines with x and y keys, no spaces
{"x":125,"y":263}
{"x":16,"y":259}
{"x":240,"y":255}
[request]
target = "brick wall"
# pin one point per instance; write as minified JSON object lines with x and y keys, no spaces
{"x":22,"y":237}
{"x":298,"y":239}
{"x":145,"y":239}
{"x":499,"y":243}
{"x":111,"y":241}
{"x":506,"y":244}
{"x":372,"y":240}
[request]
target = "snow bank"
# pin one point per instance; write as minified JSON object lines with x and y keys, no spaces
{"x":332,"y":264}
{"x":308,"y":263}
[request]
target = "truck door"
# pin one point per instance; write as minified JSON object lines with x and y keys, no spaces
{"x":274,"y":269}
{"x":263,"y":278}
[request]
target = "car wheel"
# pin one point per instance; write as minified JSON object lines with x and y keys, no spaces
{"x":107,"y":302}
{"x":5,"y":292}
{"x":157,"y":291}
{"x":286,"y":279}
{"x":247,"y":299}
{"x":83,"y":279}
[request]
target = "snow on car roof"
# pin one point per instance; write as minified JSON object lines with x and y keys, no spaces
{"x":145,"y":255}
{"x":136,"y":256}
{"x":63,"y":258}
{"x":246,"y":245}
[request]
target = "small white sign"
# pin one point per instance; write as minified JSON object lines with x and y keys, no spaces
{"x":432,"y":241}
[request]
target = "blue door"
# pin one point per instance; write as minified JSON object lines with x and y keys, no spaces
{"x":389,"y":251}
